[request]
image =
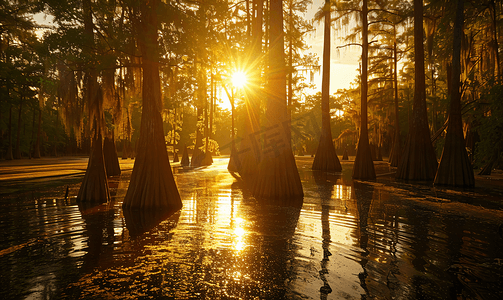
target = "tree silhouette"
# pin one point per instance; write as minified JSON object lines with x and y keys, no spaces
{"x":326,"y":159}
{"x":152,"y":183}
{"x":364,"y":166}
{"x":418,"y":160}
{"x":455,"y":167}
{"x":278,"y":177}
{"x":395,"y":152}
{"x":94,"y":186}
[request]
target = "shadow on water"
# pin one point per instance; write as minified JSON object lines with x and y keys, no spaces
{"x":140,"y":221}
{"x":413,"y":253}
{"x":99,"y":224}
{"x":273,"y":224}
{"x":325,"y":184}
{"x":119,"y":260}
{"x":363,"y":195}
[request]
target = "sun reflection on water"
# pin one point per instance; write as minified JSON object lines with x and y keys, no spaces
{"x":347,"y":241}
{"x":239,"y":234}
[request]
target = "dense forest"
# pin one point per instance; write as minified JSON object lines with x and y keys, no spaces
{"x":428,"y":96}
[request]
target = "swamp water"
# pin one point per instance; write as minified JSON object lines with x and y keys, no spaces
{"x":348,"y":240}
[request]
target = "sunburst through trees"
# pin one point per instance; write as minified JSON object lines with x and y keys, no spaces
{"x":160,"y":78}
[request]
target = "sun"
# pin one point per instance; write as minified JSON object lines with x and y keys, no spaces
{"x":239,"y":79}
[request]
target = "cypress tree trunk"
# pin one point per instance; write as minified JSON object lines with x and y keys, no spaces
{"x":32,"y":142}
{"x":326,"y":158}
{"x":492,"y":3}
{"x":152,"y":183}
{"x":278,"y":177}
{"x":455,"y":168}
{"x":9,"y":155}
{"x":289,"y":94}
{"x":364,"y":166}
{"x":198,"y":154}
{"x":418,"y":161}
{"x":111,"y":159}
{"x":55,"y":147}
{"x":207,"y":158}
{"x":36,"y":149}
{"x":185,"y":162}
{"x":17,"y":149}
{"x":234,"y":164}
{"x":1,"y":136}
{"x":94,"y":187}
{"x":175,"y":153}
{"x":249,"y":150}
{"x":396,"y":150}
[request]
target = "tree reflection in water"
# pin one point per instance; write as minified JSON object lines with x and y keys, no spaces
{"x":345,"y":241}
{"x":140,"y":221}
{"x":325,"y":184}
{"x":99,"y":226}
{"x":363,"y":196}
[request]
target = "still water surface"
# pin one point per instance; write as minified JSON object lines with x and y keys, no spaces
{"x":348,"y":240}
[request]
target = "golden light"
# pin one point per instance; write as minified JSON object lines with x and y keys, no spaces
{"x":239,"y":235}
{"x":239,"y":79}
